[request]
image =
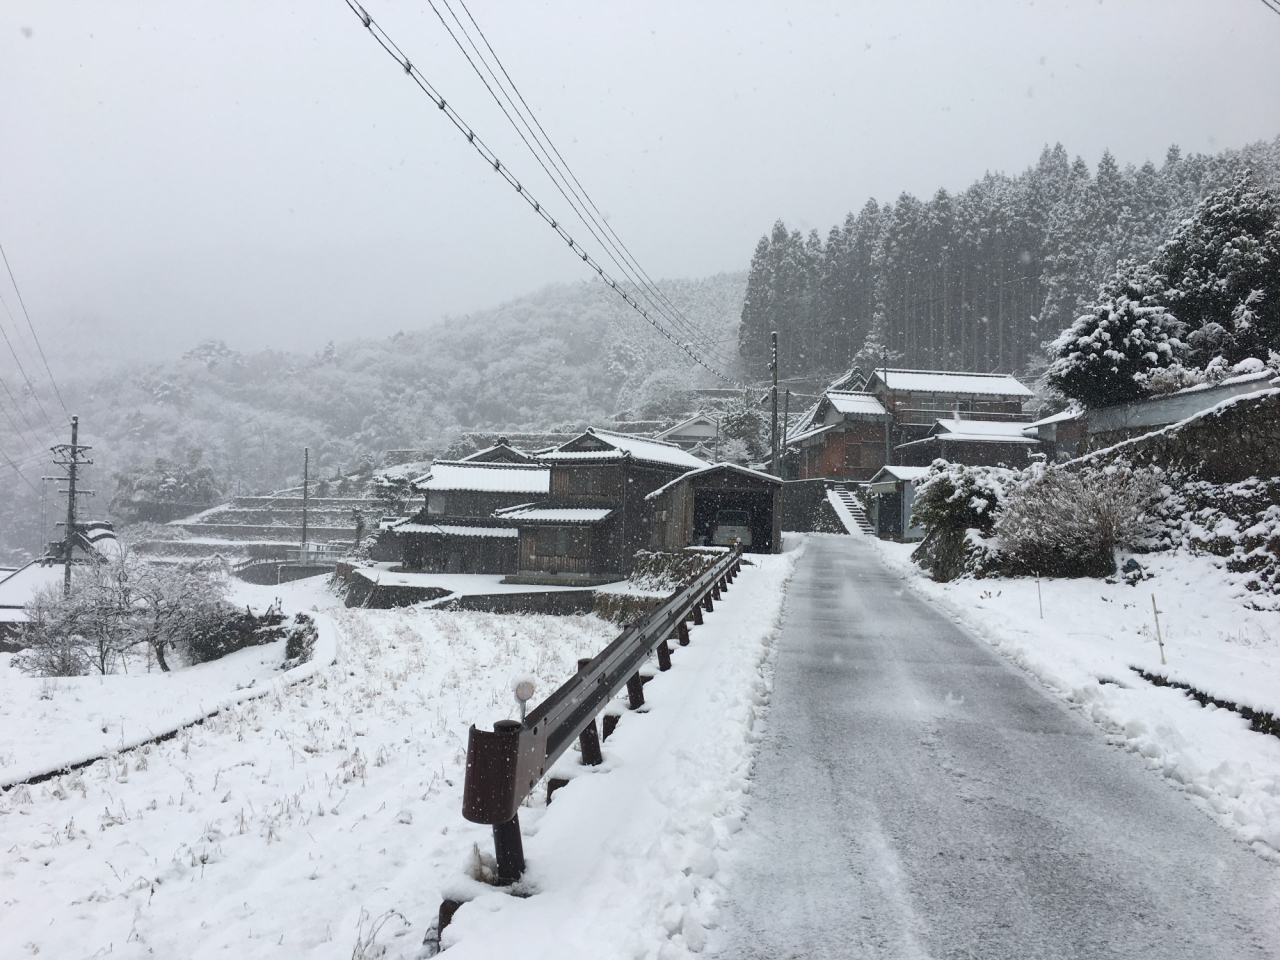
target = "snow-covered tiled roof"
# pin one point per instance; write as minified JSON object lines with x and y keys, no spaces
{"x":1056,"y":418}
{"x":690,"y":421}
{"x":808,"y":434}
{"x":949,"y":382}
{"x":992,"y":431}
{"x":641,"y":448}
{"x":910,"y":474}
{"x":17,"y":589}
{"x":486,"y":477}
{"x":557,"y":514}
{"x":456,"y":530}
{"x":857,"y":404}
{"x":711,"y":468}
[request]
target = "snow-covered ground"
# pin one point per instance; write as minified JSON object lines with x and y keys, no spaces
{"x":323,"y":820}
{"x":47,"y":724}
{"x":1092,"y":633}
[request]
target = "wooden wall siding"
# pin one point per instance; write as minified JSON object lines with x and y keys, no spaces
{"x":556,"y":550}
{"x":587,"y":483}
{"x":854,"y":453}
{"x":438,"y":554}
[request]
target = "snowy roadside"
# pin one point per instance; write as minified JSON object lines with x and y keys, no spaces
{"x":624,"y":861}
{"x":48,"y":725}
{"x":293,"y":824}
{"x":1092,"y":633}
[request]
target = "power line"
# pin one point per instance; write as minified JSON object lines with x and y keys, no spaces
{"x":22,"y":303}
{"x":384,"y":40}
{"x":607,"y":237}
{"x":577,"y":183}
{"x":1272,"y":5}
{"x":558,"y":179}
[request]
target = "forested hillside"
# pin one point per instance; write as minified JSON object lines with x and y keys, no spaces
{"x":977,"y":280}
{"x":566,"y":355}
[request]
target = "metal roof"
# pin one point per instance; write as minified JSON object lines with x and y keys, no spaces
{"x":953,"y":382}
{"x":856,"y":403}
{"x":641,"y":448}
{"x":486,"y":477}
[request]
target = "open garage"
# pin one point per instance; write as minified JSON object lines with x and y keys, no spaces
{"x":720,"y":504}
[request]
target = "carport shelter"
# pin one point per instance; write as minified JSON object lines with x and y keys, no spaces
{"x":685,"y":509}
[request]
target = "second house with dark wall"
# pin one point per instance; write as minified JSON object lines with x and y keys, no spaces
{"x":596,"y":516}
{"x":456,"y":531}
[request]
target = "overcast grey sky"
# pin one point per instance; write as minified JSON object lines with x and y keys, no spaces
{"x":262,"y":172}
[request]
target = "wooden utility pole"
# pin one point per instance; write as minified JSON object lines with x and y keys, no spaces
{"x":306,"y":470}
{"x":786,"y":428}
{"x":773,"y":396}
{"x":69,"y":455}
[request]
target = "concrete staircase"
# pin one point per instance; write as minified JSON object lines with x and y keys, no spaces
{"x":850,"y":510}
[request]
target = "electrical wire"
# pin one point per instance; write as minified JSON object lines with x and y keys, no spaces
{"x":389,"y":46}
{"x":1272,"y":5}
{"x":592,"y":218}
{"x":580,"y":189}
{"x":22,"y":303}
{"x":558,"y":179}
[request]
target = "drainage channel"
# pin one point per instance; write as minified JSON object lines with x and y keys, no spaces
{"x":1259,"y":720}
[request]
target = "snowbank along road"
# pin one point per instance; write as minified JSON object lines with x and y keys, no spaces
{"x":917,"y":796}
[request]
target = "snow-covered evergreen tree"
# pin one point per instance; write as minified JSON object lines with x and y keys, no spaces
{"x":1107,"y":355}
{"x":1222,"y":269}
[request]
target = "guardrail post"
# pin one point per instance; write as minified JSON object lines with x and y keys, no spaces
{"x":682,"y":633}
{"x":706,"y":603}
{"x":589,"y":741}
{"x":664,"y":656}
{"x":509,"y":850}
{"x":715,"y":591}
{"x":697,"y":614}
{"x":635,"y":692}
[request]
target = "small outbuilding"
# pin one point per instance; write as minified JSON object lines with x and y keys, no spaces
{"x":975,"y":443}
{"x":892,"y":494}
{"x":718,"y":504}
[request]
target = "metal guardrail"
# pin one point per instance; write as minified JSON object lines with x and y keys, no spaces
{"x":505,"y":764}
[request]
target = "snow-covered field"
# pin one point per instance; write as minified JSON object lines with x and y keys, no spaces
{"x":323,"y":820}
{"x":1093,"y":632}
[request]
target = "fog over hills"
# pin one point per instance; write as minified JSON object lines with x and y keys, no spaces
{"x":566,"y":355}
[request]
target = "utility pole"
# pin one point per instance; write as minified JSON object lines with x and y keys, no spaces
{"x":69,"y":455}
{"x":306,"y":469}
{"x":786,"y":428}
{"x":773,"y":397}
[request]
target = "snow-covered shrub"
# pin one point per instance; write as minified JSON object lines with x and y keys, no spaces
{"x":52,"y":644}
{"x":220,"y":629}
{"x":951,"y":500}
{"x":1068,"y":523}
{"x":301,"y":642}
{"x":1109,"y":354}
{"x":662,"y":570}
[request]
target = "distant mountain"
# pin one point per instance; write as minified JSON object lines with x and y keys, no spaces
{"x":566,"y":355}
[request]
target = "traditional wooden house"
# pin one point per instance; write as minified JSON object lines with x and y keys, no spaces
{"x":850,"y":434}
{"x":455,"y":531}
{"x":917,"y":399}
{"x":698,"y":430}
{"x":714,"y":506}
{"x":845,"y":436}
{"x":596,"y":517}
{"x":972,"y":442}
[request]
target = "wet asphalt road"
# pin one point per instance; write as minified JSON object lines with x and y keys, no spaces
{"x":917,"y":796}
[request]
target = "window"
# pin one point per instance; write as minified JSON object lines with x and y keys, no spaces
{"x":562,"y":541}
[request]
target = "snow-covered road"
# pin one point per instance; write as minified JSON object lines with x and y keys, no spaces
{"x":915,"y":795}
